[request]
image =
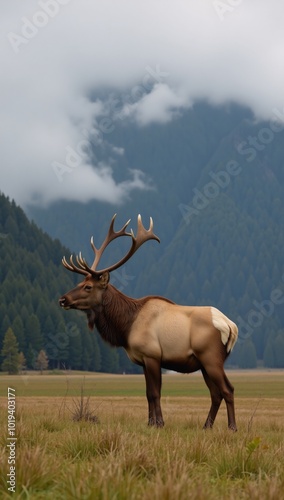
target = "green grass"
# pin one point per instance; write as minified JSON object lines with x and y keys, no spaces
{"x":247,"y":384}
{"x":118,"y":457}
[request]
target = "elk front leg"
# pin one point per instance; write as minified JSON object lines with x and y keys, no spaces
{"x":153,"y":377}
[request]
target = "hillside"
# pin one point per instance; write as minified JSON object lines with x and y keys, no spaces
{"x":32,"y":279}
{"x":217,"y":191}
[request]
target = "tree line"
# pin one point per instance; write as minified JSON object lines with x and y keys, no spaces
{"x":32,"y":280}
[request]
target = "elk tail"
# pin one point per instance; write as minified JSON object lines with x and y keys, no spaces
{"x":227,"y":328}
{"x":233,"y":337}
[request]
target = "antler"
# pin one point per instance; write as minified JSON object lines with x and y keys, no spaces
{"x":142,"y":236}
{"x":72,"y":267}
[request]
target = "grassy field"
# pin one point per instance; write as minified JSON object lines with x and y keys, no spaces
{"x":115,"y":455}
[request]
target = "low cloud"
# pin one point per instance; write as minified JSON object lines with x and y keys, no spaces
{"x":152,"y":59}
{"x":158,"y":106}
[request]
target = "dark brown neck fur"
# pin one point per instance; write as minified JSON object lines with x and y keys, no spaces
{"x":115,"y":317}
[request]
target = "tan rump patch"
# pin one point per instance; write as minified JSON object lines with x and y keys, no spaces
{"x":228,"y":329}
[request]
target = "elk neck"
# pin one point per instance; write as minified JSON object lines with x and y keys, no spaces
{"x":116,"y":315}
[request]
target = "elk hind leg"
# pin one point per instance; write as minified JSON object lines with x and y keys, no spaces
{"x":216,"y":399}
{"x":217,"y":375}
{"x":231,"y":406}
{"x":153,"y":377}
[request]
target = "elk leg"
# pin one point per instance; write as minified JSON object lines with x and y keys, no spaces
{"x":153,"y":377}
{"x":216,"y":399}
{"x":217,"y":375}
{"x":231,"y":407}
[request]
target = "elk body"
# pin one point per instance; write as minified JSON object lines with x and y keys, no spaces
{"x":155,"y":332}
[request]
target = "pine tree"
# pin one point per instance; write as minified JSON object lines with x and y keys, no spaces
{"x":248,"y":357}
{"x":96,"y":358}
{"x":109,"y":359}
{"x":268,"y":356}
{"x":22,"y":362}
{"x":42,"y":361}
{"x":60,"y":339}
{"x":31,"y":356}
{"x":18,"y":329}
{"x":33,"y":332}
{"x":278,"y":348}
{"x":10,"y":353}
{"x":75,"y":351}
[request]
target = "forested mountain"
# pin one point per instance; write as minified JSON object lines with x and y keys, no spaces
{"x":216,"y":194}
{"x":32,"y":279}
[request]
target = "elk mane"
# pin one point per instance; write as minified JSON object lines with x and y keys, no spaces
{"x":122,"y":310}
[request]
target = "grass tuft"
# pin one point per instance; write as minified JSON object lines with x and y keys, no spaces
{"x":81,"y":411}
{"x":81,"y":408}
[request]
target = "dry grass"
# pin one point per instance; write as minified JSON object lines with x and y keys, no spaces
{"x":120,"y":458}
{"x":81,"y":407}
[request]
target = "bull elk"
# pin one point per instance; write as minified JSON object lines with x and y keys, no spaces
{"x":155,"y":332}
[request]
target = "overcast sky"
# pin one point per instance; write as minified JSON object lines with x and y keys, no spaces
{"x":152,"y":58}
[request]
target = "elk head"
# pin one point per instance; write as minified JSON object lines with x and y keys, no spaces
{"x":88,"y":295}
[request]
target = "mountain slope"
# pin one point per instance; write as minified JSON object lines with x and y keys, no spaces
{"x":217,"y":204}
{"x":32,"y":279}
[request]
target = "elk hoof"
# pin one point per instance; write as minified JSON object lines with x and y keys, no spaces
{"x":155,"y":423}
{"x":159,"y":423}
{"x":208,"y":424}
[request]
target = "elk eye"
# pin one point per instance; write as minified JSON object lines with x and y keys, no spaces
{"x":88,"y":287}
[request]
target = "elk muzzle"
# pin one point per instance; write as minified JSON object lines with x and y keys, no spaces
{"x":64,"y":303}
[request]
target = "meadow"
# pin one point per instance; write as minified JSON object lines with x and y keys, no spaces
{"x":114,"y":454}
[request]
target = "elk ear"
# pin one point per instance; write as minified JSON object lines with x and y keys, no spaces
{"x":104,"y":279}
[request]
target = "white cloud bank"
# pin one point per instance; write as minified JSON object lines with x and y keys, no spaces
{"x":156,"y":57}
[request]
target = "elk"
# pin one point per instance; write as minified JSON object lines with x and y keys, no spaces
{"x":155,"y":332}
